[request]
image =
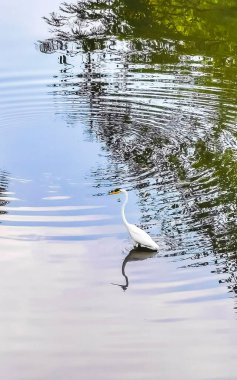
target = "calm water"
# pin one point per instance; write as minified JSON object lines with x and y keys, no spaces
{"x":101,"y":95}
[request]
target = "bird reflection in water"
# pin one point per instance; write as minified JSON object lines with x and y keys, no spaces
{"x":136,"y":254}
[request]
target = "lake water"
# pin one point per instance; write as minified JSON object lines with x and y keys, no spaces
{"x":141,"y":96}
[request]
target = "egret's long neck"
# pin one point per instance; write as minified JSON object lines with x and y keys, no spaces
{"x":123,"y":208}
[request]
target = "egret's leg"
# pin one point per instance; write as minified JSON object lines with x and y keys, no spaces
{"x":137,"y":245}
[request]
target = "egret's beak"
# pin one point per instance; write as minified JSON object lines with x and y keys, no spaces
{"x":113,"y":192}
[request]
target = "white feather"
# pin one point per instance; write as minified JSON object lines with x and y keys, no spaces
{"x":141,"y":237}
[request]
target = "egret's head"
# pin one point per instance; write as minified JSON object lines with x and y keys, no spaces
{"x":115,"y":191}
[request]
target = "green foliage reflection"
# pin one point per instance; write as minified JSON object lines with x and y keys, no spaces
{"x":187,"y":49}
{"x":187,"y":27}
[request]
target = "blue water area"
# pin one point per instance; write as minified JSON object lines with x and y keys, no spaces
{"x":92,"y":100}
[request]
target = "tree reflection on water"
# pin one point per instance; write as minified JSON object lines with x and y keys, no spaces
{"x":157,"y":79}
{"x":3,"y":189}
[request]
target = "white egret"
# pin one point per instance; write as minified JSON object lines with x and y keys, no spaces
{"x":139,"y":236}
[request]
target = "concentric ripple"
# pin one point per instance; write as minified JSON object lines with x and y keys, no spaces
{"x":24,"y":96}
{"x":163,"y":130}
{"x":134,"y":94}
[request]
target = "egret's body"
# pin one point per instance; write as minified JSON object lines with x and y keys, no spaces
{"x":139,"y":236}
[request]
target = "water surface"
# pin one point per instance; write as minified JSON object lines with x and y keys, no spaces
{"x":118,"y":94}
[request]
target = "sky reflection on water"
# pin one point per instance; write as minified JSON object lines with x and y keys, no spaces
{"x":157,"y":117}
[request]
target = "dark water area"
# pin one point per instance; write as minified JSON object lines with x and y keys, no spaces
{"x":103,"y":94}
